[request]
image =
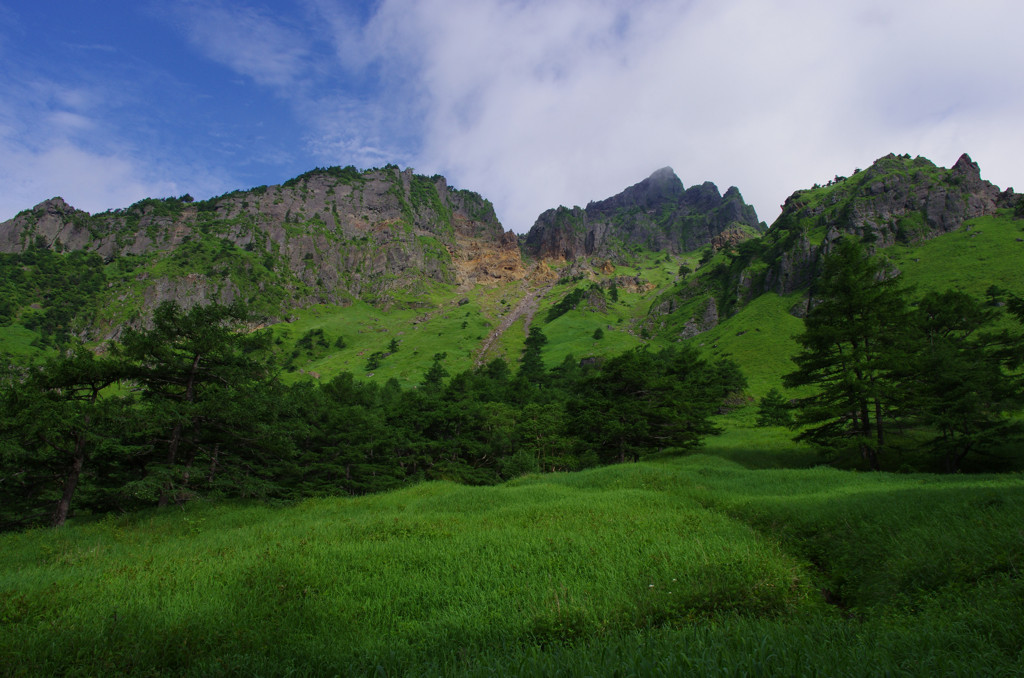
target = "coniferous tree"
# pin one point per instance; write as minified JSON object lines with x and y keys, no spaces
{"x":956,"y":381}
{"x":852,"y":342}
{"x":55,"y":419}
{"x":192,"y":365}
{"x":531,"y":366}
{"x":642,"y":401}
{"x":773,"y":410}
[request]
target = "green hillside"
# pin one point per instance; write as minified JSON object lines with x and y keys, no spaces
{"x":282,"y":249}
{"x":690,"y":566}
{"x":985,"y":251}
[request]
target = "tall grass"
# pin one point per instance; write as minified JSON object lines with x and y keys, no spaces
{"x":691,"y":564}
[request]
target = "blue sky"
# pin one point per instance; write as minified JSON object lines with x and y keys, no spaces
{"x":531,"y":103}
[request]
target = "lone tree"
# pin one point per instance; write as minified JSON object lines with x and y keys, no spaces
{"x":773,"y":410}
{"x":531,"y":366}
{"x":850,"y":347}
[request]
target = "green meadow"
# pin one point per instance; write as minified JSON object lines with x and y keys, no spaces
{"x":709,"y":564}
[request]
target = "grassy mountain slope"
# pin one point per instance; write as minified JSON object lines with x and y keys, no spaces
{"x":690,"y":565}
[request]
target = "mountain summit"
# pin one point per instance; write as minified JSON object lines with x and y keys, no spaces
{"x":658,"y":213}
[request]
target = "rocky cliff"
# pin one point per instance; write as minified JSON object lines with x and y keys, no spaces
{"x":897,"y":199}
{"x":324,"y":237}
{"x":658,"y":214}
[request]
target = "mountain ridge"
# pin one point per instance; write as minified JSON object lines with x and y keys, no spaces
{"x":396,"y":240}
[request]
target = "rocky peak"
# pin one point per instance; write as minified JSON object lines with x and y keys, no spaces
{"x":663,"y":185}
{"x":325,"y":236}
{"x":703,"y":198}
{"x":55,"y":205}
{"x":896,"y":199}
{"x":53,"y":222}
{"x":658,"y":213}
{"x":966,"y":167}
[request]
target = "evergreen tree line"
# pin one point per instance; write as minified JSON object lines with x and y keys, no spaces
{"x":194,"y":408}
{"x":886,"y":378}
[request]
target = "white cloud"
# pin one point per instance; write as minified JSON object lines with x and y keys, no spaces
{"x":86,"y":180}
{"x":60,"y":141}
{"x":536,"y":103}
{"x":563,"y":101}
{"x":66,"y":120}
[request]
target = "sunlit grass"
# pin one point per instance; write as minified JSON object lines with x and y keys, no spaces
{"x":760,"y":339}
{"x":17,"y":341}
{"x":692,"y":562}
{"x":985,"y":251}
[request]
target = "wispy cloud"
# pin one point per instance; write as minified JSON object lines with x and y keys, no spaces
{"x":99,"y":182}
{"x":248,"y":40}
{"x":60,"y":139}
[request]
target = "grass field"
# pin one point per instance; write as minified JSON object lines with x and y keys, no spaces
{"x":692,"y":565}
{"x":17,"y":341}
{"x":985,"y":251}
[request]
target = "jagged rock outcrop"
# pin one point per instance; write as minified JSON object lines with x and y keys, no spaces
{"x":658,"y":213}
{"x":897,"y":199}
{"x":707,"y":319}
{"x":324,"y":237}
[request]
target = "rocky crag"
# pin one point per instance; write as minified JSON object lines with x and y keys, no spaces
{"x":327,"y":236}
{"x":388,"y":237}
{"x":657,"y":214}
{"x":898,"y":199}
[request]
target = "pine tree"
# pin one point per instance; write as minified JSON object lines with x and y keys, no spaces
{"x":957,"y":379}
{"x":773,"y":410}
{"x":195,"y":368}
{"x":531,"y":366}
{"x":59,"y":421}
{"x":852,"y":341}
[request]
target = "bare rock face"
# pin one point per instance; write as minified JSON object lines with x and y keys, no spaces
{"x":559,"y":234}
{"x":729,"y":238}
{"x":51,"y":222}
{"x":658,"y":213}
{"x":324,"y":237}
{"x":706,"y":320}
{"x":481,"y":261}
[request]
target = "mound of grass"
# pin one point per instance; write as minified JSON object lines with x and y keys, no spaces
{"x":759,"y":339}
{"x":688,"y":565}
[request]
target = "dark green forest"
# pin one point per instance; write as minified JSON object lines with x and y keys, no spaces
{"x":194,"y":407}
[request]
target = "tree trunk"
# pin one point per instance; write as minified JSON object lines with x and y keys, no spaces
{"x":172,"y":446}
{"x":60,"y":513}
{"x":866,"y":450}
{"x":213,"y":463}
{"x":879,"y":429}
